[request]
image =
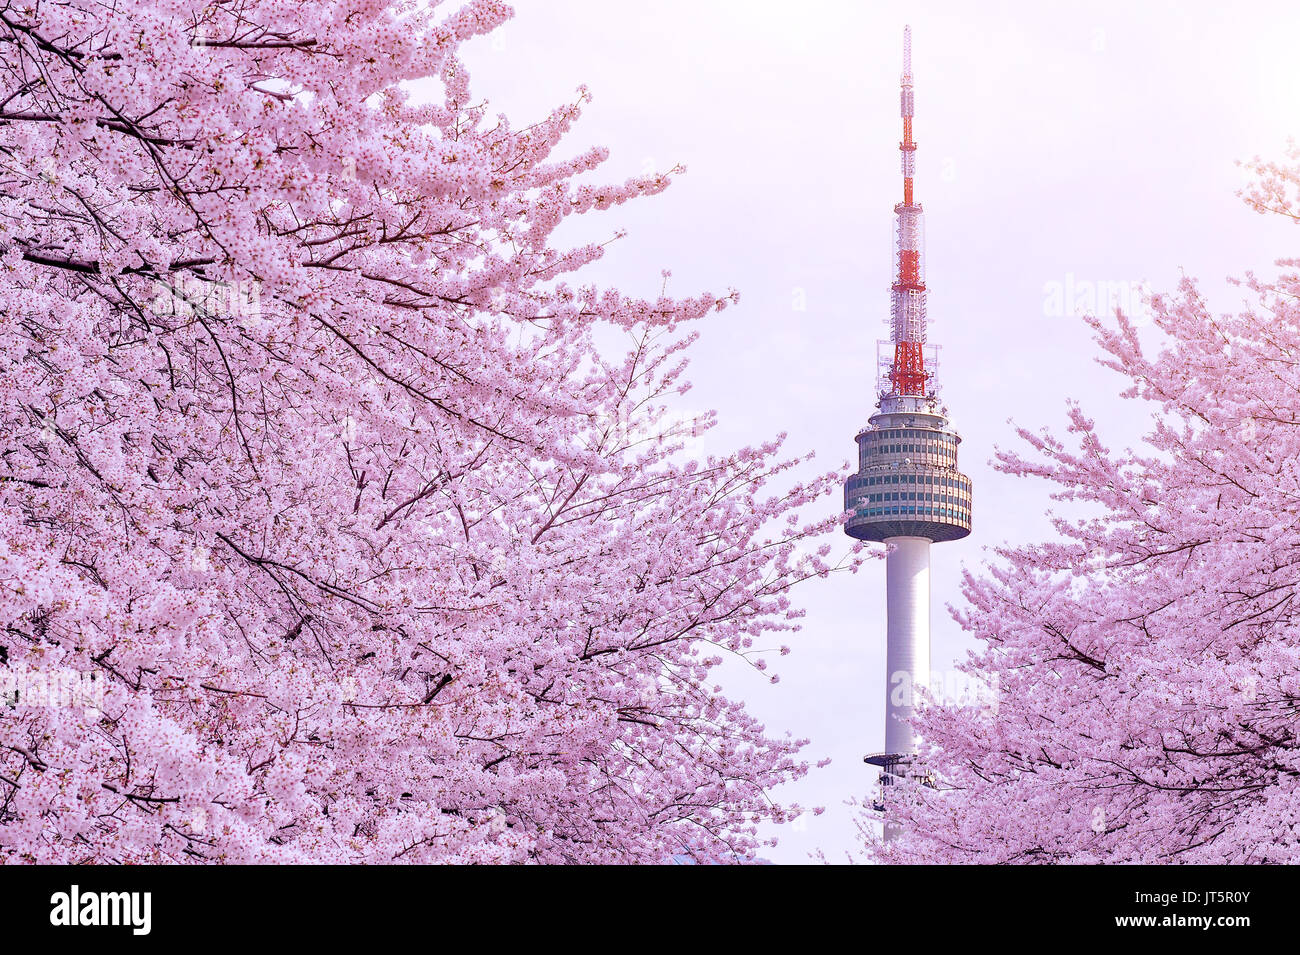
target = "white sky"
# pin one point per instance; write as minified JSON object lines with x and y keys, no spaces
{"x":1091,"y":140}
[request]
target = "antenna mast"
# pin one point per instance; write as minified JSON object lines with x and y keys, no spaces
{"x":908,"y":375}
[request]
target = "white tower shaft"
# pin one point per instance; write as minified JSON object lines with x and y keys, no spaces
{"x":907,"y":649}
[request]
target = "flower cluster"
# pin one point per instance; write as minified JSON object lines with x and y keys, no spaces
{"x":386,"y":567}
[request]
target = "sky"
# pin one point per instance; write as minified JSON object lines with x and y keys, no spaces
{"x":1065,"y":150}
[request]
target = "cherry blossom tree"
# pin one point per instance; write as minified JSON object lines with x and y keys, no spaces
{"x":328,"y":533}
{"x":1147,"y":661}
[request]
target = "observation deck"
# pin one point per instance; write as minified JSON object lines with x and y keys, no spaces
{"x":908,"y":483}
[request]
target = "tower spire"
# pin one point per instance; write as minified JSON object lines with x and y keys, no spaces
{"x":907,"y":109}
{"x":908,"y":375}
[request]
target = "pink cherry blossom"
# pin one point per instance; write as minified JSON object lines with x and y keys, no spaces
{"x":311,"y":462}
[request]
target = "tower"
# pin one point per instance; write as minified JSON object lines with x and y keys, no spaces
{"x":908,"y":492}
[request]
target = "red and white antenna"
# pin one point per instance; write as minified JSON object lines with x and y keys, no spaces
{"x":907,"y":374}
